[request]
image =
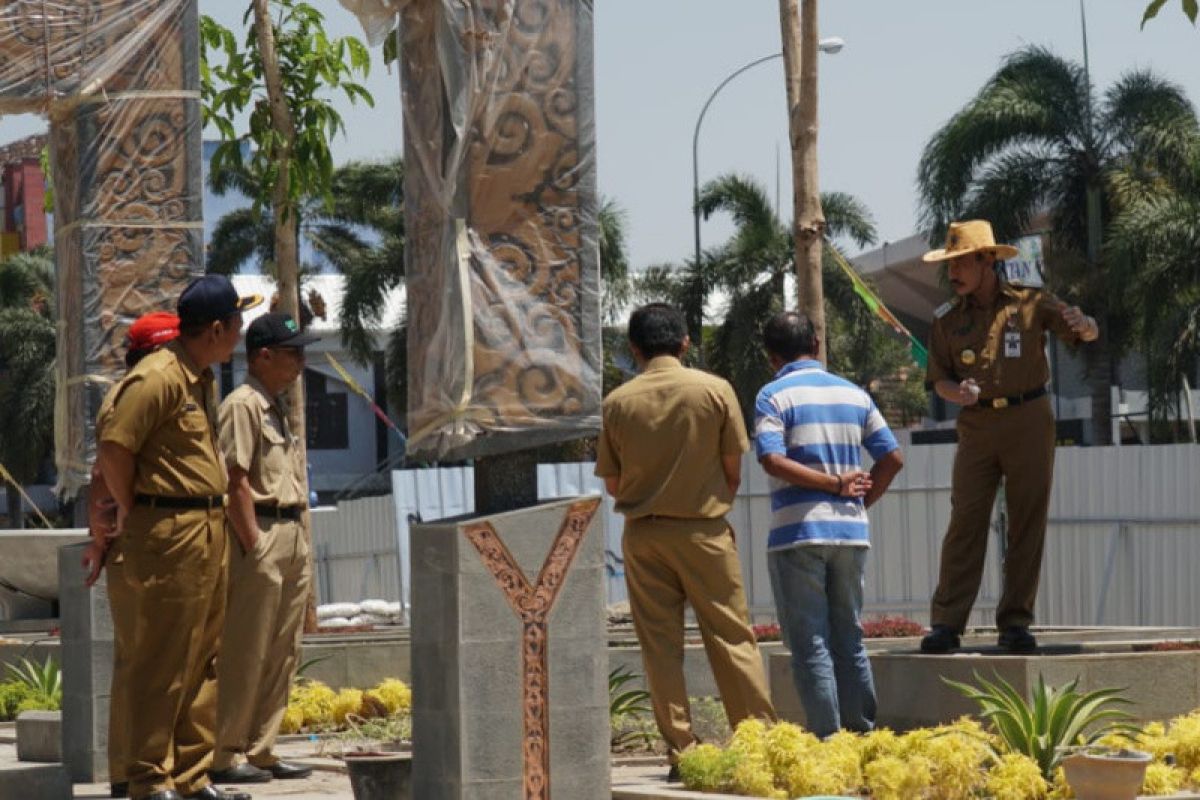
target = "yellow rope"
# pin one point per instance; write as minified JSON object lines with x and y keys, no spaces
{"x":6,"y":475}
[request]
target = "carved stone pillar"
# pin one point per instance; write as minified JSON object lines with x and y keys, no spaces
{"x":502,"y":252}
{"x":120,"y":83}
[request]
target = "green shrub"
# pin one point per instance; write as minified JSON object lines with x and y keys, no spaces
{"x":16,"y":697}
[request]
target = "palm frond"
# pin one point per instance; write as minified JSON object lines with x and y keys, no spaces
{"x":847,"y":216}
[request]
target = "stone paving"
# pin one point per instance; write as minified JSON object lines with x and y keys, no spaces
{"x":329,"y":782}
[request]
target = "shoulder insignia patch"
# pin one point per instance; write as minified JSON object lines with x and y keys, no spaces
{"x":943,"y":309}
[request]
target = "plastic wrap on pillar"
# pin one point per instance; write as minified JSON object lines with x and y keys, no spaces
{"x":500,"y":202}
{"x":119,"y":80}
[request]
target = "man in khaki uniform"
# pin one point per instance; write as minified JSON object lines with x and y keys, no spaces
{"x":147,"y":334}
{"x":987,"y":353}
{"x":269,"y":574}
{"x":670,"y":452}
{"x":160,"y":459}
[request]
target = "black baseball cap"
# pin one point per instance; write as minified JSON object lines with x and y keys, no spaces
{"x":212,"y":297}
{"x":276,"y":330}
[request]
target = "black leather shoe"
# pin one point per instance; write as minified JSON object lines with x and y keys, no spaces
{"x":673,"y":774}
{"x":942,"y":639}
{"x":1017,"y":639}
{"x":242,"y":773}
{"x":118,"y":790}
{"x":165,"y":794}
{"x":285,"y":771}
{"x":213,"y":793}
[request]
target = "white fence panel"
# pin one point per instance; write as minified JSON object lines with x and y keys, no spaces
{"x":354,"y":550}
{"x":1121,"y":549}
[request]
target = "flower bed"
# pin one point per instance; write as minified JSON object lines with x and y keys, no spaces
{"x":950,"y":762}
{"x":885,"y":627}
{"x":314,"y":707}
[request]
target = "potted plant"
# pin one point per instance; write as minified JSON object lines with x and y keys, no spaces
{"x":377,"y":759}
{"x":1105,"y":773}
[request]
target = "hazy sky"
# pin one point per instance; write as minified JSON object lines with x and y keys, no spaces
{"x":906,"y":67}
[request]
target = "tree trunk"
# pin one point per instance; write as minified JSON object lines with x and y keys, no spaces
{"x":800,"y":51}
{"x":1100,"y":382}
{"x":287,"y":257}
{"x":16,"y":512}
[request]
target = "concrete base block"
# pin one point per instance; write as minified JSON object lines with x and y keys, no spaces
{"x":39,"y":736}
{"x":34,"y":782}
{"x":87,"y":657}
{"x":486,"y":680}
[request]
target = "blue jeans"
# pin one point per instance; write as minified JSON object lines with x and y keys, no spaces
{"x":818,"y":595}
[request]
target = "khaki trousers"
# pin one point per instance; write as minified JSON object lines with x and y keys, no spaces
{"x":670,"y":562}
{"x":121,"y":604}
{"x":268,"y":595}
{"x":1016,"y":444}
{"x":176,"y":564}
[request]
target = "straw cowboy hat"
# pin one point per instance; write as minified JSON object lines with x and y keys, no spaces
{"x":970,"y":237}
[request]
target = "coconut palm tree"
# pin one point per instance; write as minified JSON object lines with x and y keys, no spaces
{"x":751,"y":269}
{"x":27,"y":343}
{"x":1158,"y":229}
{"x":361,"y":235}
{"x":1037,"y":140}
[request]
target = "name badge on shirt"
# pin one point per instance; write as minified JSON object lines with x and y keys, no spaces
{"x":1012,"y":344}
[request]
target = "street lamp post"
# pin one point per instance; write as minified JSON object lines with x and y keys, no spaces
{"x":831,"y":45}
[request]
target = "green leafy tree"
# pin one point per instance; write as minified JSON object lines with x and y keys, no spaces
{"x":360,"y":234}
{"x":27,"y":344}
{"x":1190,"y":9}
{"x":1037,"y":140}
{"x":284,"y":75}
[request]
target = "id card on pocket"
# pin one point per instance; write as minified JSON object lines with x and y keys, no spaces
{"x":1012,"y":344}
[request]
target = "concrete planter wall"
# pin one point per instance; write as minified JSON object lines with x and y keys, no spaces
{"x":912,"y":694}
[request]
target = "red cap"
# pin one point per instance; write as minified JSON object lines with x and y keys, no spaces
{"x":153,"y":330}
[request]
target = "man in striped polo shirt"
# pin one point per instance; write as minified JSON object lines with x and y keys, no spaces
{"x":810,"y":429}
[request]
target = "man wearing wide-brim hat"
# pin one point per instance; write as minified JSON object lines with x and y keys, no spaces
{"x":987,"y":354}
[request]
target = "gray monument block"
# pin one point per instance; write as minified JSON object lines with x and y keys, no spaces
{"x":87,"y":657}
{"x":473,"y":713}
{"x":39,"y":736}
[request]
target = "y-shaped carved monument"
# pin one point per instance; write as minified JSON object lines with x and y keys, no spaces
{"x":509,"y":652}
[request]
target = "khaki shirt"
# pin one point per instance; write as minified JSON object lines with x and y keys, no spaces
{"x":663,"y":435}
{"x":255,"y":437}
{"x":163,"y":412}
{"x":968,"y":341}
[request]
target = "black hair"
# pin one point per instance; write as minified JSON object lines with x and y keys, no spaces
{"x":789,"y":335}
{"x":132,"y":357}
{"x":657,"y":329}
{"x":190,"y":329}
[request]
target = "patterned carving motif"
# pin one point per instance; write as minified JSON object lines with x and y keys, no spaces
{"x":119,"y":80}
{"x":532,"y":604}
{"x":518,"y":284}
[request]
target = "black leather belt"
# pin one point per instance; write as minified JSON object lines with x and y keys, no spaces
{"x":278,"y":512}
{"x":1005,"y":402}
{"x":165,"y":501}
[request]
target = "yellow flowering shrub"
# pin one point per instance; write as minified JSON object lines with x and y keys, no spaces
{"x":1016,"y":777}
{"x":752,"y":775}
{"x":957,"y":758}
{"x":345,"y":703}
{"x":293,"y":720}
{"x":1162,"y":779}
{"x":786,"y":746}
{"x":879,"y":743}
{"x":395,"y":695}
{"x":894,"y":778}
{"x":314,"y":700}
{"x":1183,"y":736}
{"x":706,"y":768}
{"x":1060,"y":789}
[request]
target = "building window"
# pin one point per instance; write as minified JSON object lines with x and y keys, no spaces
{"x":327,"y":414}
